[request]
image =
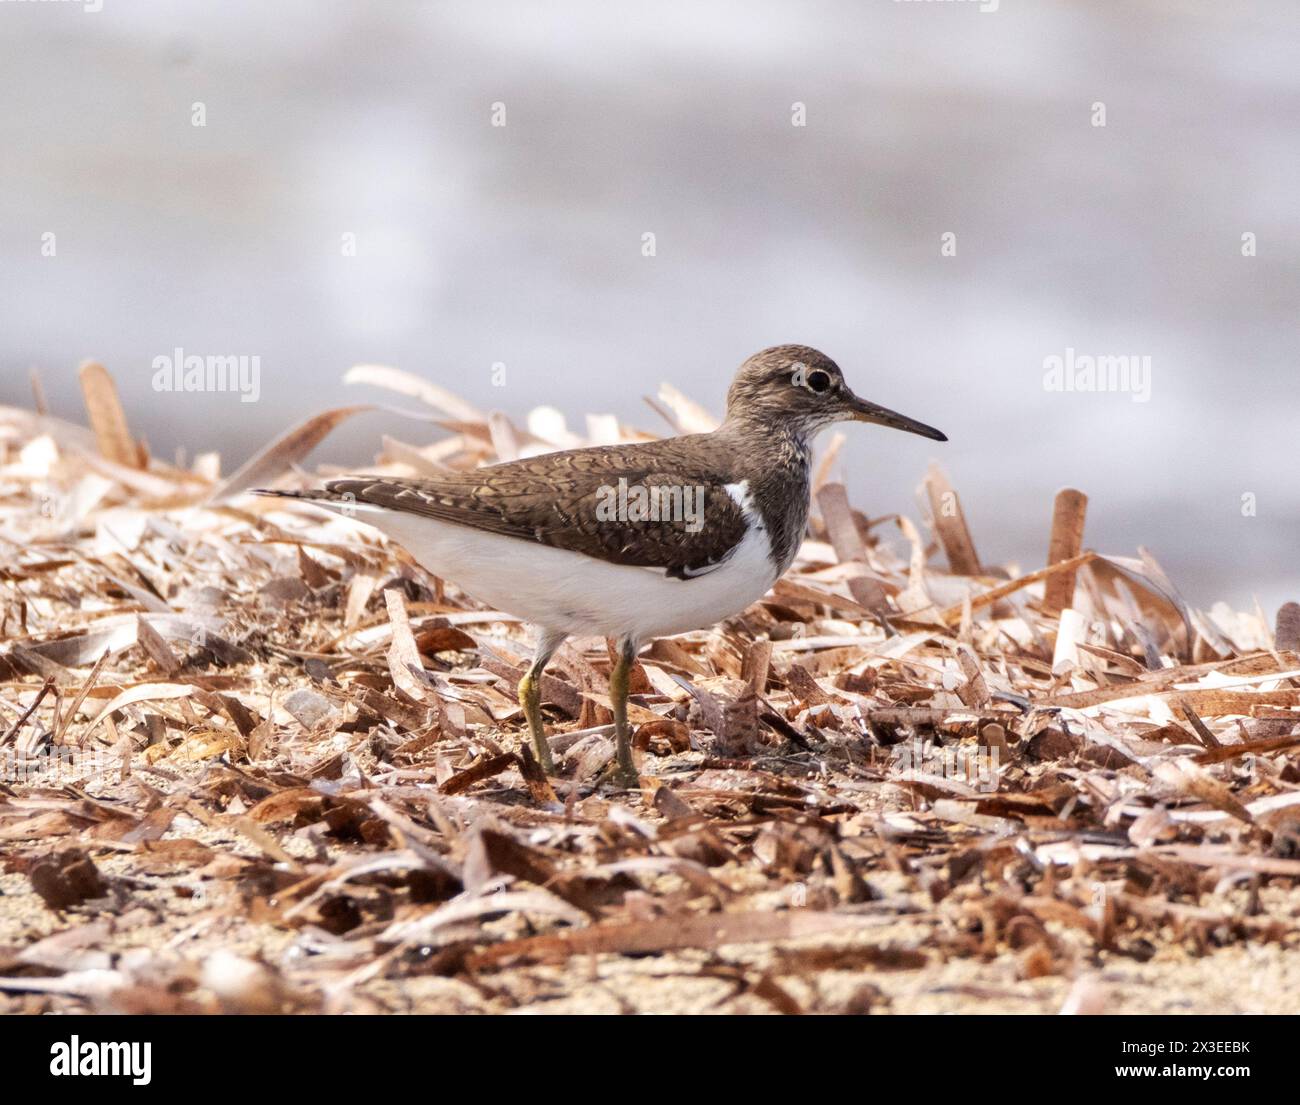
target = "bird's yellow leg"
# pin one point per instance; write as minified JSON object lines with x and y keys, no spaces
{"x":530,"y":699}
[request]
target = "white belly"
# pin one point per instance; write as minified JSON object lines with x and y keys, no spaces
{"x":568,"y":592}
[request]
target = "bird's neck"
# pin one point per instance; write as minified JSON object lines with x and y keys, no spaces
{"x":772,"y":442}
{"x":775,"y":457}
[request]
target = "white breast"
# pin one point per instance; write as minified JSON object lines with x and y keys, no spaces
{"x":572,"y":593}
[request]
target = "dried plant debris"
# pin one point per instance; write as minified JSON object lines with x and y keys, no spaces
{"x":254,"y":759}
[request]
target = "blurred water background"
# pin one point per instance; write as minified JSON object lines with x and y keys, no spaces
{"x":522,"y":245}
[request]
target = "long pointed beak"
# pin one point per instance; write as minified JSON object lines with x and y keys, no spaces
{"x":862,"y":411}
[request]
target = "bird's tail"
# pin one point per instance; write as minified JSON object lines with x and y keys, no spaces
{"x":338,"y":497}
{"x":320,"y":494}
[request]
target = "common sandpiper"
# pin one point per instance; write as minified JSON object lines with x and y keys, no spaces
{"x":629,"y":542}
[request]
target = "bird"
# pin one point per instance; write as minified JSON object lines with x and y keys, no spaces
{"x":630,"y":542}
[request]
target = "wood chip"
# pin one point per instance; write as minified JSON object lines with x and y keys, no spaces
{"x":107,"y":418}
{"x":1065,"y":544}
{"x":950,"y":524}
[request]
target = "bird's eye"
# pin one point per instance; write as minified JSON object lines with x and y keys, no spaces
{"x":819,"y":381}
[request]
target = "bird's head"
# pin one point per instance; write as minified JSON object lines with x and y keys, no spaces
{"x":795,"y":387}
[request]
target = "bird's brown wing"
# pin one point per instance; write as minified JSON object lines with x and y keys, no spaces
{"x":585,"y":500}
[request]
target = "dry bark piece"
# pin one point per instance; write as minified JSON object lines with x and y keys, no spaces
{"x":730,"y":713}
{"x":491,"y":853}
{"x":1003,"y":590}
{"x":107,"y":418}
{"x":804,"y":687}
{"x":688,"y":416}
{"x":67,"y":879}
{"x":1202,"y":730}
{"x":686,"y":931}
{"x":975,"y":691}
{"x":416,"y":387}
{"x":1186,"y":778}
{"x":26,"y":714}
{"x":275,"y":459}
{"x":672,"y":805}
{"x":1065,"y":543}
{"x":444,"y":638}
{"x":1287,"y":634}
{"x":360,"y":588}
{"x":156,"y":647}
{"x":314,"y":574}
{"x":539,"y":786}
{"x":404,"y":663}
{"x":868,"y":591}
{"x":476,"y":773}
{"x":145,"y":692}
{"x":950,"y":524}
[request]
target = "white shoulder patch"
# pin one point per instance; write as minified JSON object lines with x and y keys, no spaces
{"x":740,"y":495}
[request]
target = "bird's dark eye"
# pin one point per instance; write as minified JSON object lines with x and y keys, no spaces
{"x":819,"y":381}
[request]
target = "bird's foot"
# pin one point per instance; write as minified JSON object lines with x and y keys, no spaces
{"x":618,"y":778}
{"x":622,"y":772}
